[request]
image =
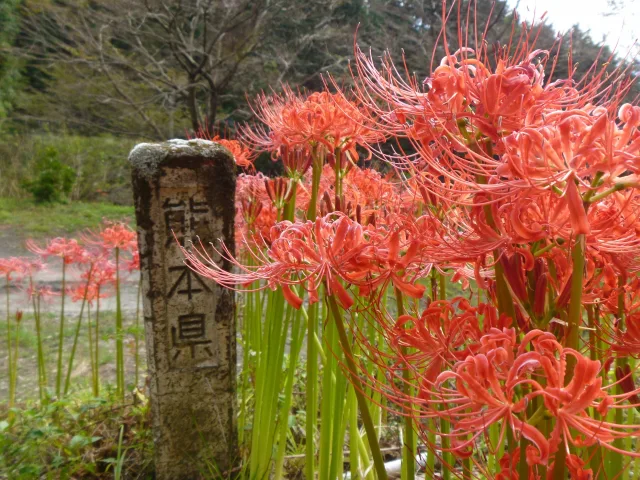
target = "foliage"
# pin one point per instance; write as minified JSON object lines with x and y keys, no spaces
{"x":99,"y":163}
{"x":9,"y":64}
{"x":94,"y":72}
{"x":26,"y":219}
{"x":76,"y":437}
{"x":52,"y":181}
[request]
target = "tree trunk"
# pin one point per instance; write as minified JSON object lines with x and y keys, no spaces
{"x":213,"y":110}
{"x":192,"y":103}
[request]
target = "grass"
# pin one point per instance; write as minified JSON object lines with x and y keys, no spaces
{"x":27,"y":389}
{"x":77,"y":437}
{"x":30,"y":220}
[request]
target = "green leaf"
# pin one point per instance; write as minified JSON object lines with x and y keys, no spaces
{"x":34,"y":434}
{"x":78,"y":441}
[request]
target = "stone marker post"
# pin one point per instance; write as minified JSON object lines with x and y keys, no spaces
{"x":184,"y":190}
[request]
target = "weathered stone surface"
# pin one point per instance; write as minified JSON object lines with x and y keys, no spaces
{"x":184,"y":190}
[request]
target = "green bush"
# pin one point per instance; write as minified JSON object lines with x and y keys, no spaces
{"x":99,"y":162}
{"x":53,"y":180}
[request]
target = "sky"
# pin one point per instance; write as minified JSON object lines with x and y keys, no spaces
{"x":619,"y":25}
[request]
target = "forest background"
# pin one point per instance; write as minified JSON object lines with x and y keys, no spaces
{"x":81,"y":82}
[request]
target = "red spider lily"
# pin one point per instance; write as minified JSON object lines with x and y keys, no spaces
{"x":296,"y":161}
{"x":44,"y":292}
{"x":31,"y":266}
{"x":298,"y":254}
{"x":115,"y":235}
{"x":561,"y":157}
{"x":628,"y":343}
{"x":102,"y":273}
{"x":391,"y":264}
{"x":575,"y":465}
{"x":330,"y":249}
{"x":484,"y":393}
{"x":279,"y":191}
{"x":242,"y":155}
{"x":133,"y":264}
{"x":17,"y":266}
{"x":67,"y":249}
{"x":445,"y":333}
{"x":520,"y":184}
{"x":484,"y":389}
{"x":568,"y":402}
{"x":89,"y":293}
{"x":509,"y":466}
{"x":471,"y":109}
{"x":320,"y":119}
{"x":375,"y":193}
{"x":256,"y":215}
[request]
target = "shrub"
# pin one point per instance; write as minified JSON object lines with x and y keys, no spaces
{"x":53,"y":180}
{"x":100,"y":163}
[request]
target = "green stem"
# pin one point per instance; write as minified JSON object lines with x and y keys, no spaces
{"x":596,"y":450}
{"x":268,"y":383}
{"x":137,"y":332}
{"x":354,"y":434}
{"x":311,"y":399}
{"x":16,"y":356}
{"x":96,"y":387}
{"x":119,"y":340}
{"x":297,"y":336}
{"x":574,"y":319}
{"x":290,"y":207}
{"x":448,"y":460}
{"x":505,"y":302}
{"x":9,"y":346}
{"x":316,"y":173}
{"x":329,"y":374}
{"x":606,"y":193}
{"x":244,"y":376}
{"x":92,"y":357}
{"x":67,"y":382}
{"x":61,"y":332}
{"x":492,"y":447}
{"x":338,"y":173}
{"x":545,"y":249}
{"x":362,"y":402}
{"x":616,"y":460}
{"x":409,"y":448}
{"x":42,"y":375}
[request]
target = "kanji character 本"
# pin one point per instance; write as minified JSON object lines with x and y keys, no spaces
{"x":185,"y":284}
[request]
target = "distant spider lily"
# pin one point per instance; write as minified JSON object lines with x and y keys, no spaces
{"x":117,"y":238}
{"x":70,"y":252}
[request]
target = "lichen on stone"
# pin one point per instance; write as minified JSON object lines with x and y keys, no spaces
{"x":146,"y":158}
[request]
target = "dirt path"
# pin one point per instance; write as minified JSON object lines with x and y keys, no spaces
{"x":12,"y":244}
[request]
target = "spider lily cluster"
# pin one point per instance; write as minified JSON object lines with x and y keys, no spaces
{"x":100,"y":259}
{"x":520,"y":193}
